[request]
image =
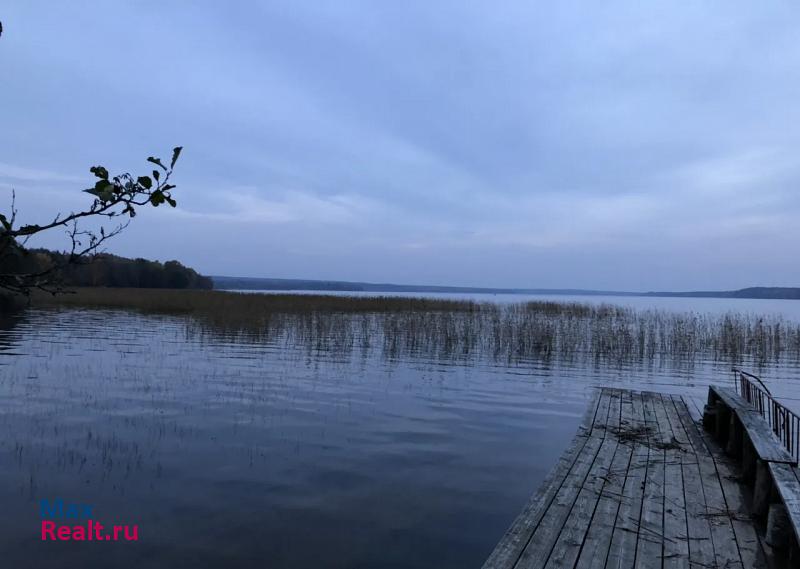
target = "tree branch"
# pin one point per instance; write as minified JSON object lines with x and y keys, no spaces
{"x":117,"y":196}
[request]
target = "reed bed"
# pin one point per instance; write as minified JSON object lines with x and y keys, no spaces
{"x":238,"y":306}
{"x":461,"y":330}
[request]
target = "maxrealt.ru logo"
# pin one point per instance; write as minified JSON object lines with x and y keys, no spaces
{"x":63,"y":521}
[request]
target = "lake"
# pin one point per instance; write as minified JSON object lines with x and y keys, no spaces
{"x":789,"y":309}
{"x":341,"y":441}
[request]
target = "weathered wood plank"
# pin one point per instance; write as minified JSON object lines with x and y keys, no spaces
{"x":732,"y":399}
{"x":538,"y":549}
{"x":767,"y":446}
{"x":676,"y":532}
{"x":643,"y":487}
{"x":787,"y":483}
{"x":725,"y":547}
{"x":595,"y":547}
{"x":510,"y":547}
{"x":650,"y":546}
{"x":607,"y":397}
{"x":701,"y":548}
{"x":736,"y":499}
{"x":622,"y":551}
{"x":581,"y":517}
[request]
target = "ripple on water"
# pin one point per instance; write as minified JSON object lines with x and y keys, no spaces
{"x":226,"y":450}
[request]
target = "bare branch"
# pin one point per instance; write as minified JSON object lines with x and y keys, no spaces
{"x":117,"y":196}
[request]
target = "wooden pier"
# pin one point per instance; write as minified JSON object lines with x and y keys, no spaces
{"x":641,"y":485}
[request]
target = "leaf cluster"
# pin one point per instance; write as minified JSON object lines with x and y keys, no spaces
{"x":114,"y":196}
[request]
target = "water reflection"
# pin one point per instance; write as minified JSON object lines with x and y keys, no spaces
{"x":8,"y":335}
{"x":514,"y":335}
{"x":336,"y":440}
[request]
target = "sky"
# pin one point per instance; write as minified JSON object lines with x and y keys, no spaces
{"x":615,"y":145}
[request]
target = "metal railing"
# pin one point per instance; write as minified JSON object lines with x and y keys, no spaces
{"x":784,"y":423}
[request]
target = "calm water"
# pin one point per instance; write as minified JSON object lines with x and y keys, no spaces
{"x":280,"y":453}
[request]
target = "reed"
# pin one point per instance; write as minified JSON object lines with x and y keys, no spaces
{"x":235,"y":305}
{"x":463,"y":330}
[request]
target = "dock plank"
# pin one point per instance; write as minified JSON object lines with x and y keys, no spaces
{"x":701,"y":546}
{"x":572,"y":536}
{"x":650,"y":546}
{"x":622,"y":551}
{"x":640,"y":486}
{"x":758,"y":431}
{"x":736,"y":498}
{"x":675,"y":537}
{"x":598,"y":538}
{"x":510,"y":547}
{"x":786,"y":479}
{"x":726,"y":548}
{"x":541,"y":544}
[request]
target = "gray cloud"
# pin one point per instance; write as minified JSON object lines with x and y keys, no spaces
{"x":619,"y":146}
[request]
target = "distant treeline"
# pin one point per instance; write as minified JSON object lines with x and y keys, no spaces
{"x":251,"y":283}
{"x":758,"y":292}
{"x":257,"y":283}
{"x":105,"y":270}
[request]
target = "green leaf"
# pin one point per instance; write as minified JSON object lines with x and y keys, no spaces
{"x":103,"y":190}
{"x":4,"y":221}
{"x":171,"y":201}
{"x":156,"y":175}
{"x":145,"y":182}
{"x":157,"y":162}
{"x":175,"y":153}
{"x":167,"y":187}
{"x":157,"y":198}
{"x":99,"y":171}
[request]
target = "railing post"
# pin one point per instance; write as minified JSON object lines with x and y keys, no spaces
{"x":783,"y":422}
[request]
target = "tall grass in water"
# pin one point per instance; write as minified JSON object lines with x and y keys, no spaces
{"x":450,"y":329}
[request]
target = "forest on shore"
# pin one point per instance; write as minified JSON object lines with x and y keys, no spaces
{"x":107,"y":270}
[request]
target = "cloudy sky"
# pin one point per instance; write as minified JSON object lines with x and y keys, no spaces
{"x":621,"y":145}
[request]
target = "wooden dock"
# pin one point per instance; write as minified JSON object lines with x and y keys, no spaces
{"x":641,"y":485}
